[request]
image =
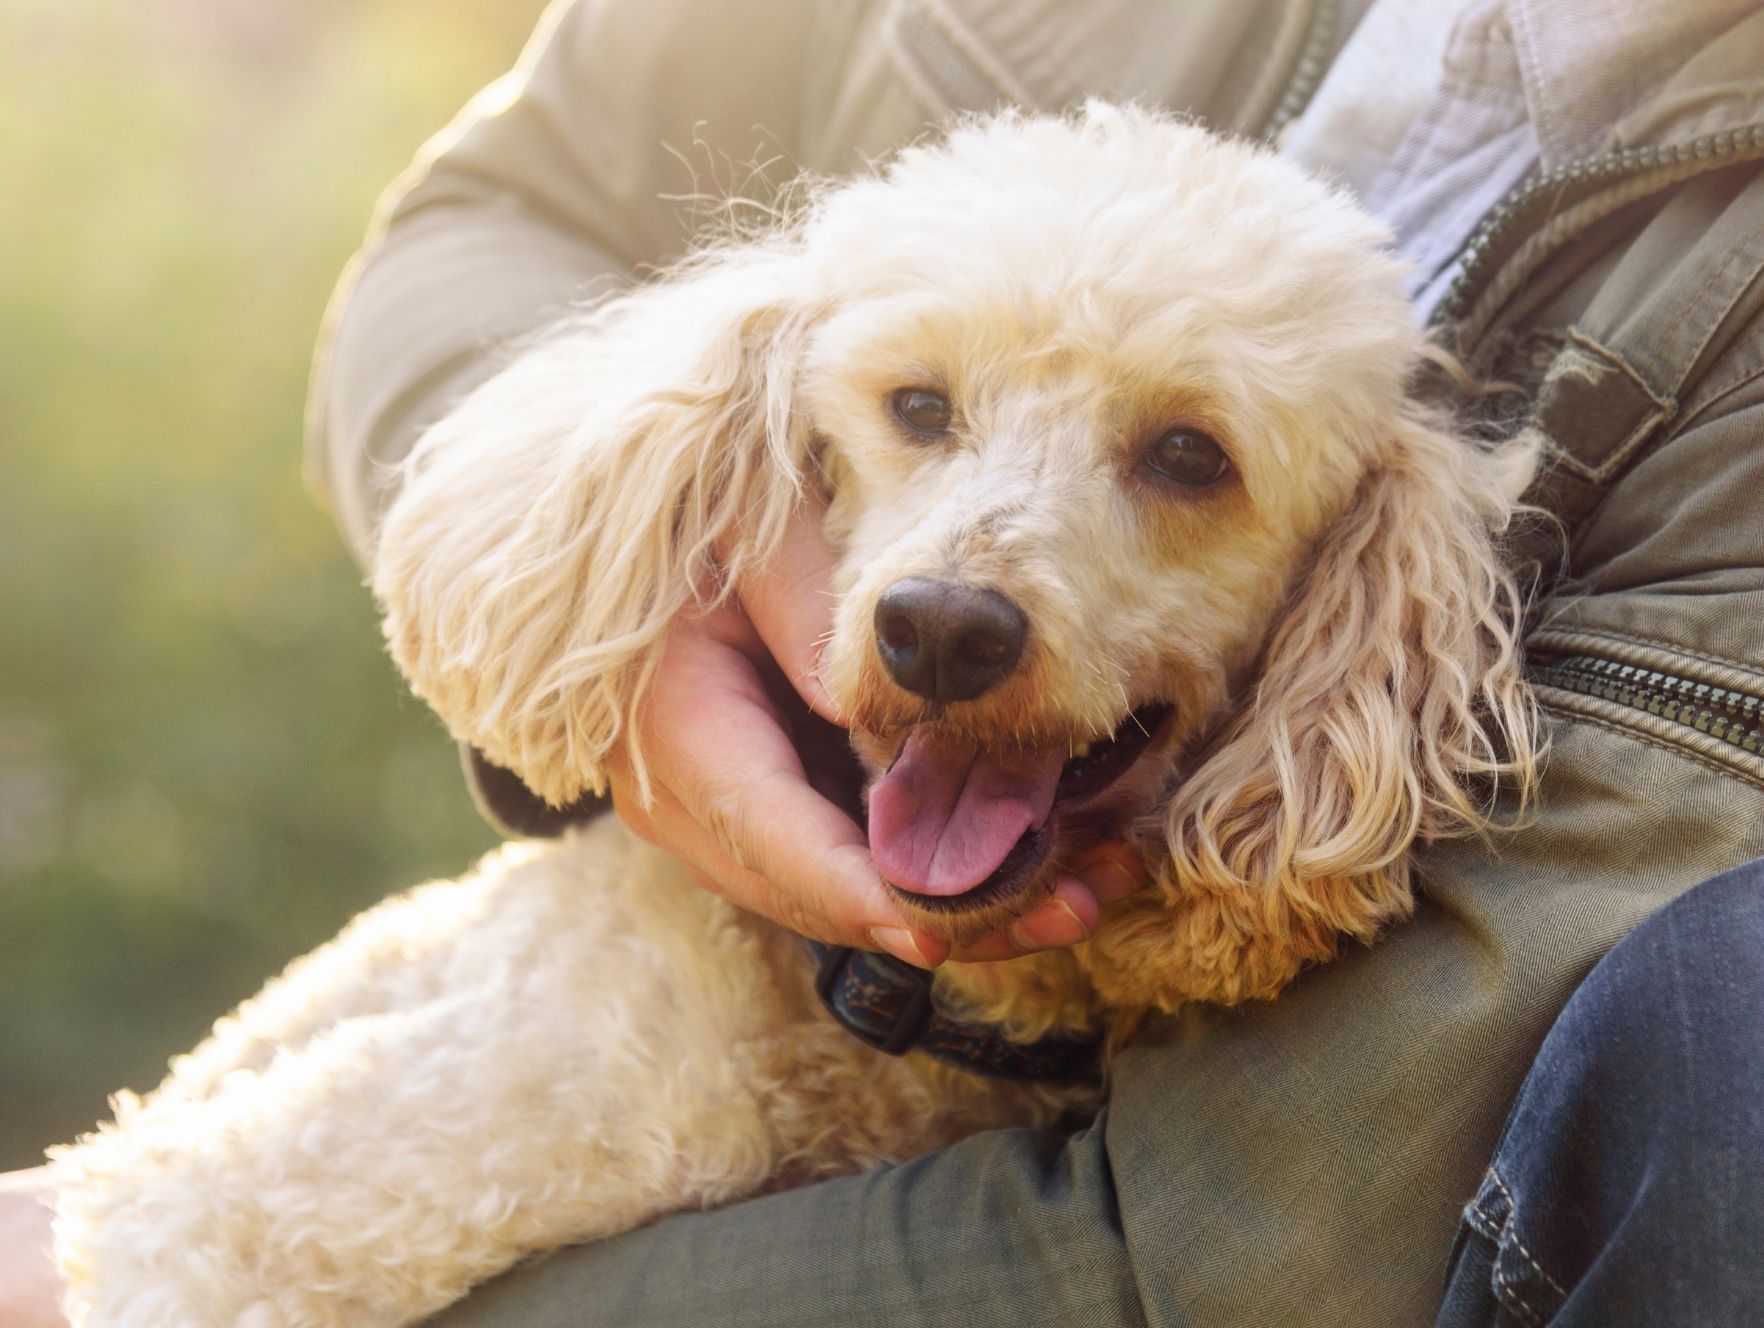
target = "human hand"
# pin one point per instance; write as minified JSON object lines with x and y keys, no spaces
{"x":29,"y":1289}
{"x":732,"y":798}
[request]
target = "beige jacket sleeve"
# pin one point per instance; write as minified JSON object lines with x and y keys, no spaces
{"x":567,"y":176}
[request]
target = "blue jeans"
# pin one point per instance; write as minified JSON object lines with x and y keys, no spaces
{"x":1628,"y":1184}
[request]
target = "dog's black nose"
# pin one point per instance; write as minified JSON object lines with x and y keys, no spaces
{"x":948,"y":642}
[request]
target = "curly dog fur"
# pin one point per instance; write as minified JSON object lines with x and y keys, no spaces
{"x":574,"y":1039}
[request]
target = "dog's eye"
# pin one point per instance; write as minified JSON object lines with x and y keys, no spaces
{"x":1189,"y":457}
{"x":922,"y":411}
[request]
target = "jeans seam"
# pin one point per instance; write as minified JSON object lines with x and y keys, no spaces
{"x":1514,"y":1300}
{"x":1481,"y":1225}
{"x":1511,"y":1228}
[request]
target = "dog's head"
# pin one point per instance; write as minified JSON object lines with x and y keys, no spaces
{"x":1136,"y":523}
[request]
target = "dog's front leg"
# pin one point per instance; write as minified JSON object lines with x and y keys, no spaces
{"x":571,"y":1042}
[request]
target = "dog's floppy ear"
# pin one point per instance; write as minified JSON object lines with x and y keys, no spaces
{"x":551,"y":526}
{"x":1392,"y":679}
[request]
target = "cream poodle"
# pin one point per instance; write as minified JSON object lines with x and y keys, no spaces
{"x":1141,"y":535}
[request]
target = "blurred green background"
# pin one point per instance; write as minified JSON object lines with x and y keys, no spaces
{"x":206,"y":761}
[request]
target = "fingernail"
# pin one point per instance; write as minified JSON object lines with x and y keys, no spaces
{"x":900,"y":943}
{"x":1053,"y":924}
{"x":1109,"y":880}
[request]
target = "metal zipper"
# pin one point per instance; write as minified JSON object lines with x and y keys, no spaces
{"x":1493,"y":240}
{"x":1733,"y":717}
{"x":1308,"y":73}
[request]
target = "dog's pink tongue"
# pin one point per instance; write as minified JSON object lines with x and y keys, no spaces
{"x":946,"y":813}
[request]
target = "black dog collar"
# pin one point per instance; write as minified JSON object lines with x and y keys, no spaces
{"x":887,"y":1003}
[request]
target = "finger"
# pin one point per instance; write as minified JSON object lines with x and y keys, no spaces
{"x":1104,"y":875}
{"x":747,"y":815}
{"x":667,"y":823}
{"x":637,"y":816}
{"x":789,"y":600}
{"x":1112,"y":871}
{"x":903,"y":943}
{"x":1067,"y":916}
{"x":776,"y":828}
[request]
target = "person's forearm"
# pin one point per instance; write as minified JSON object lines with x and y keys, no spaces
{"x":1005,"y":1230}
{"x":429,"y":317}
{"x":558,"y":182}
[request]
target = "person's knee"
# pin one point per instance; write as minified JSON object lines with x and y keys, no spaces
{"x":1627,"y":1182}
{"x":1676,"y":1002}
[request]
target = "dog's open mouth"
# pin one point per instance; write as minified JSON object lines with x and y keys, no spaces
{"x":955,"y":826}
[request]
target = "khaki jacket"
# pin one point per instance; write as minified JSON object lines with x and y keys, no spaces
{"x":1305,"y":1161}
